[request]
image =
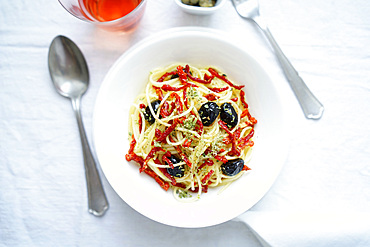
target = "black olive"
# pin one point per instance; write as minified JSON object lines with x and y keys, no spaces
{"x":232,"y":167}
{"x":208,"y":113}
{"x":148,"y":114}
{"x":229,"y":115}
{"x":177,"y":171}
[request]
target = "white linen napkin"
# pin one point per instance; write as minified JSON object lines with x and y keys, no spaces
{"x":309,"y":228}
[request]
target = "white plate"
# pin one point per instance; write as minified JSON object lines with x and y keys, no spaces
{"x":128,"y":77}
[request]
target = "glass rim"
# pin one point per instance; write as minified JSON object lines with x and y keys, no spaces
{"x":105,"y":23}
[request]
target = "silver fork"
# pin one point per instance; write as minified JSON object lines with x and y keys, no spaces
{"x":311,"y":106}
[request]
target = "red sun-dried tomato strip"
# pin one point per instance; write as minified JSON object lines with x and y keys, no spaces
{"x":237,"y":133}
{"x":207,"y":177}
{"x":164,"y":171}
{"x":135,"y":157}
{"x":196,"y":79}
{"x":183,"y":186}
{"x":201,"y":166}
{"x":224,"y":126}
{"x":206,"y":163}
{"x":226,"y":140}
{"x":235,"y":99}
{"x":167,"y":87}
{"x":253,"y":120}
{"x":187,"y":143}
{"x":140,"y":123}
{"x":218,"y":89}
{"x":132,"y":145}
{"x":246,"y":168}
{"x":246,"y":113}
{"x":207,"y":151}
{"x":189,"y":84}
{"x":164,"y":112}
{"x":242,"y":98}
{"x":131,"y":155}
{"x":167,"y":131}
{"x":216,"y":74}
{"x":150,"y":156}
{"x":209,"y":162}
{"x":160,"y":181}
{"x":157,"y":161}
{"x":184,"y":98}
{"x":245,"y":140}
{"x":199,"y":123}
{"x":248,"y":143}
{"x":158,"y":92}
{"x":168,"y":161}
{"x":204,"y":189}
{"x":142,"y":106}
{"x":182,"y":75}
{"x":165,"y":75}
{"x":197,"y":129}
{"x":207,"y":77}
{"x":211,"y":96}
{"x":234,"y":148}
{"x":179,"y":105}
{"x":183,"y":156}
{"x":158,"y":133}
{"x":173,"y":107}
{"x":220,"y":158}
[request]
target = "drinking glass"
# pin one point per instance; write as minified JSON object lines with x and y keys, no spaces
{"x":127,"y":22}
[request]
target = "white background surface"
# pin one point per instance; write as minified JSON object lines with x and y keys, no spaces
{"x":322,"y":196}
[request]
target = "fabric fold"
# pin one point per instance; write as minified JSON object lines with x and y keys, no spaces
{"x":309,"y":228}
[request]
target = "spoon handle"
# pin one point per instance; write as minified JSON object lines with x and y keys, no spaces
{"x":98,"y":202}
{"x":311,"y":106}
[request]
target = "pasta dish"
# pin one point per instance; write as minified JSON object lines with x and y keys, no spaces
{"x":191,"y":130}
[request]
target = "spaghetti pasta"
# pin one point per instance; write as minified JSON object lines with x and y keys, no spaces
{"x":191,"y":130}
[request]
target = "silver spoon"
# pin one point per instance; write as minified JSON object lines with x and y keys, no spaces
{"x":311,"y":106}
{"x":70,"y":75}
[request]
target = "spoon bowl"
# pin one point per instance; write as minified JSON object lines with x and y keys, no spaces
{"x":70,"y":75}
{"x":68,"y":68}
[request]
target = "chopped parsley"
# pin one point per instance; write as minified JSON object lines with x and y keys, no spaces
{"x":193,"y":94}
{"x":190,"y":122}
{"x":183,"y":194}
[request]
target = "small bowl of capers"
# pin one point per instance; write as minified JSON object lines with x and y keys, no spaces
{"x":200,"y":7}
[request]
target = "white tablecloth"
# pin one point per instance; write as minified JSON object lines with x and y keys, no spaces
{"x":322,"y":196}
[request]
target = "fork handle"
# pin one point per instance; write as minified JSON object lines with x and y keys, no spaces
{"x":311,"y":106}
